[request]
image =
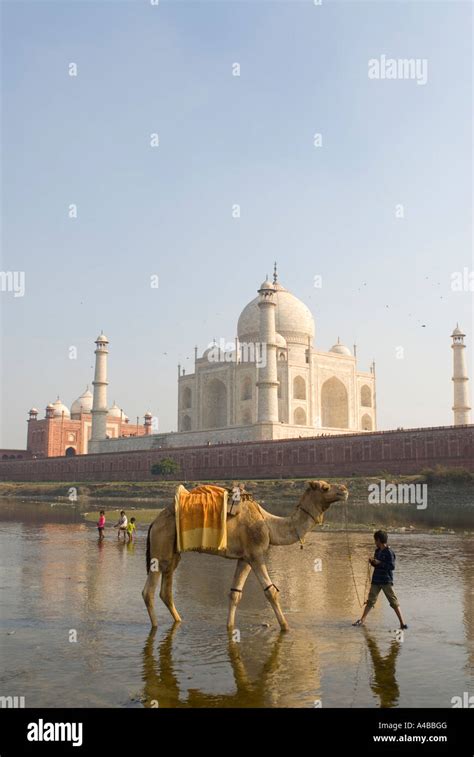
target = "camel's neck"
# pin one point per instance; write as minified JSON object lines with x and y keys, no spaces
{"x":291,"y":529}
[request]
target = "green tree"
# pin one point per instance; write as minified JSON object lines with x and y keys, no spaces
{"x":166,"y":467}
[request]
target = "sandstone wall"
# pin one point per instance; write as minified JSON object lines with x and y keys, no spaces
{"x":402,"y":451}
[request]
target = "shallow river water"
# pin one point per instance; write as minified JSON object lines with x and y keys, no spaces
{"x":57,"y":583}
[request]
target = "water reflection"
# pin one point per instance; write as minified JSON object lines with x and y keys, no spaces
{"x":161,"y":677}
{"x":383,"y":682}
{"x":467,"y":573}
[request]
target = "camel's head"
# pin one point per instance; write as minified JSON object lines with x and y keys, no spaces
{"x":320,"y":495}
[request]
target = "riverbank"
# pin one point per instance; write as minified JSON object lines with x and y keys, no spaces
{"x":447,"y":501}
{"x":151,"y":491}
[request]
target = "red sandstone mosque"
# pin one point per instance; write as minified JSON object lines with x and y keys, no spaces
{"x":65,"y":431}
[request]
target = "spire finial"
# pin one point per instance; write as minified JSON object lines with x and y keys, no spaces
{"x":275,"y":273}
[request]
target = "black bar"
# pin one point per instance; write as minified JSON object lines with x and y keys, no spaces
{"x":445,"y":732}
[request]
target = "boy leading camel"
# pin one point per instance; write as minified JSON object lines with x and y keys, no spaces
{"x":383,"y":563}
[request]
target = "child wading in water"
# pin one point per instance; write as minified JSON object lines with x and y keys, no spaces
{"x":131,"y":528}
{"x":101,"y":524}
{"x":122,"y":525}
{"x":383,"y":562}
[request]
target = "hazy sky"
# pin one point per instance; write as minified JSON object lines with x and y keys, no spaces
{"x":225,"y":140}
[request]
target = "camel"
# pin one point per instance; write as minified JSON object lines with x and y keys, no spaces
{"x":249,"y":536}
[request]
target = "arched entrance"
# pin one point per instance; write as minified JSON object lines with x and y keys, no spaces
{"x":299,"y":388}
{"x":187,"y":398}
{"x":215,"y":404}
{"x":366,"y":422}
{"x":246,"y":418}
{"x":366,"y":396}
{"x":299,"y":417}
{"x":334,"y":404}
{"x":70,"y":452}
{"x":246,"y":389}
{"x":186,"y":425}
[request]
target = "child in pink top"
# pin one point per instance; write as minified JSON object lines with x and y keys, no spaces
{"x":101,"y":524}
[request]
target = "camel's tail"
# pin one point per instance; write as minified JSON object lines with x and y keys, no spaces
{"x":148,"y":560}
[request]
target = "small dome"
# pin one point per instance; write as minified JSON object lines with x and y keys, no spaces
{"x":216,"y":351}
{"x":59,"y":409}
{"x":340,"y":349}
{"x":83,"y":404}
{"x":116,"y":412}
{"x":33,"y":411}
{"x":280,"y":340}
{"x":102,"y":338}
{"x":457,"y":331}
{"x":266,"y":285}
{"x":148,"y":415}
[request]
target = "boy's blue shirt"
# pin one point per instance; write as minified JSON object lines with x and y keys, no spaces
{"x":383,"y":574}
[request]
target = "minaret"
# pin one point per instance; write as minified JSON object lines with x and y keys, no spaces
{"x":461,"y":407}
{"x":148,"y":422}
{"x":267,"y":409}
{"x":99,"y":404}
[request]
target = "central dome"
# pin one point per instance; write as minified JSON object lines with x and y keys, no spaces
{"x":293,"y":319}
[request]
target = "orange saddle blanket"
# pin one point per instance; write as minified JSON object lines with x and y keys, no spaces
{"x":201,"y":516}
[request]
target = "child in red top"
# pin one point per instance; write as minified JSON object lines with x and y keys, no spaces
{"x":101,"y":524}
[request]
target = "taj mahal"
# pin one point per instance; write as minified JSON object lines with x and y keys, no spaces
{"x":275,"y":379}
{"x":271,"y":382}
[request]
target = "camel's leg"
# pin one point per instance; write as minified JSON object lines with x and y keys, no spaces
{"x":148,"y":595}
{"x":271,"y":593}
{"x":166,"y":592}
{"x":240,"y":576}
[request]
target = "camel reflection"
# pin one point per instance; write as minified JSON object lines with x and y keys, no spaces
{"x":383,"y":682}
{"x":162,"y":687}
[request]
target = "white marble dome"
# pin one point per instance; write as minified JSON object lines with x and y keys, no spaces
{"x":340,"y":349}
{"x":116,"y":412}
{"x":212,"y":348}
{"x":83,"y":404}
{"x":293,"y":318}
{"x":59,"y":409}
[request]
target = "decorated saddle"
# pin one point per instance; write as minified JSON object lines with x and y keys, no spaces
{"x":201,"y":516}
